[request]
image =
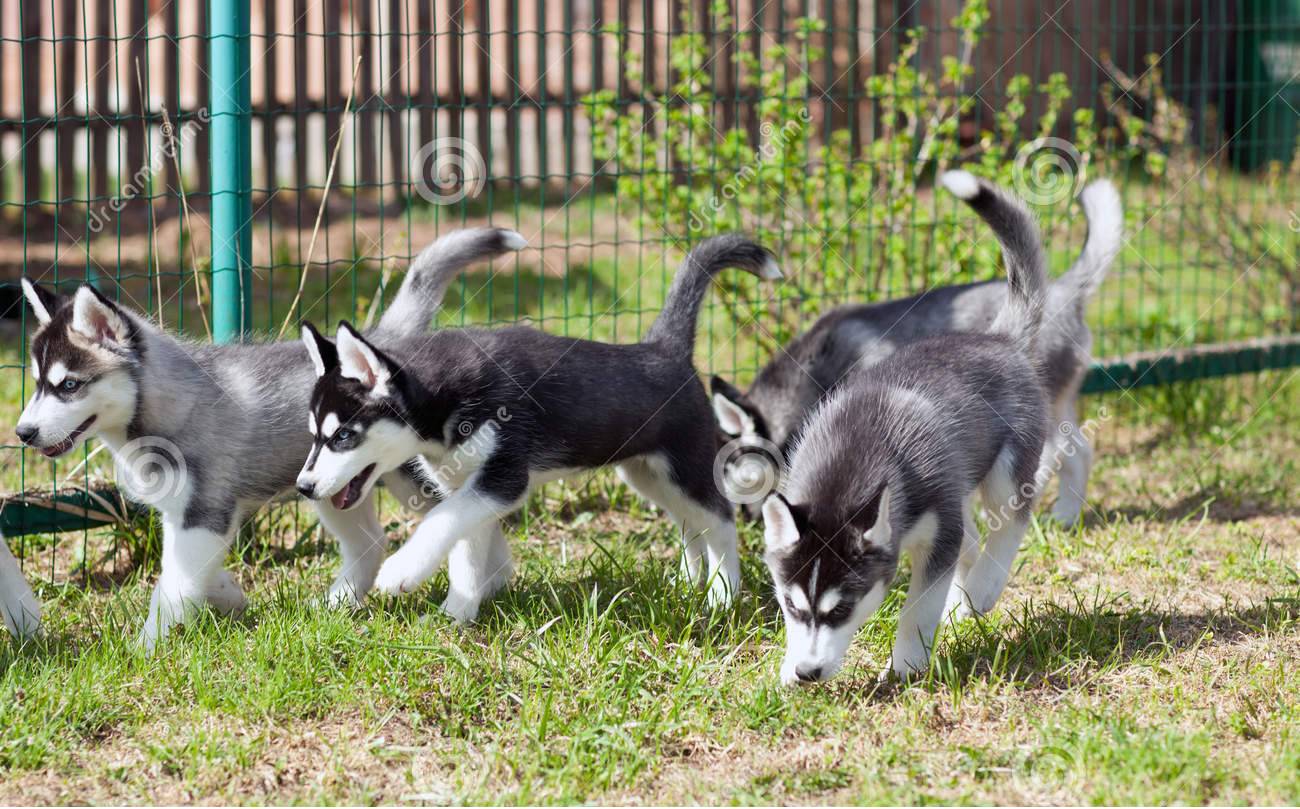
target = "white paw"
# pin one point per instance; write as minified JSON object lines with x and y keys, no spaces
{"x":459,"y":609}
{"x":397,"y":577}
{"x":904,"y":669}
{"x":342,"y":595}
{"x":1066,"y":510}
{"x":225,"y":595}
{"x":721,"y":593}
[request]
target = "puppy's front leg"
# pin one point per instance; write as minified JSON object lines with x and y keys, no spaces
{"x":192,"y":575}
{"x":489,"y":495}
{"x":932,"y":574}
{"x":18,"y":606}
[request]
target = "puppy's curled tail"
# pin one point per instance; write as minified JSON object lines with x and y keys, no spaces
{"x":432,"y":272}
{"x":1105,"y":215}
{"x":675,"y":326}
{"x":1022,"y":248}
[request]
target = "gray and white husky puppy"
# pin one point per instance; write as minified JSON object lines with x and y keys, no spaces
{"x":764,"y":420}
{"x":891,"y":460}
{"x":207,"y":434}
{"x":497,"y":412}
{"x":18,"y":606}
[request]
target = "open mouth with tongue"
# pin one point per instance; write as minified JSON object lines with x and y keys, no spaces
{"x":348,"y":496}
{"x":55,"y":450}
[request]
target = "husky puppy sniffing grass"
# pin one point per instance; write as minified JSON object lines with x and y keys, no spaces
{"x":764,"y":420}
{"x":19,"y":608}
{"x":891,"y":460}
{"x":501,"y":411}
{"x":207,"y":434}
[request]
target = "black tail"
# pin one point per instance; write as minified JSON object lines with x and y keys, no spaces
{"x":432,"y":272}
{"x":1022,"y":247}
{"x":675,"y":326}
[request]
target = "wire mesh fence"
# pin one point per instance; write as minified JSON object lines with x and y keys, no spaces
{"x":612,"y":133}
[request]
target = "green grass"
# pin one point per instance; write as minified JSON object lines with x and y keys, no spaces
{"x":1147,"y":656}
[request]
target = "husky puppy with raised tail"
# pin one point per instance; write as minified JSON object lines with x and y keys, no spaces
{"x":207,"y":434}
{"x":890,"y":461}
{"x":497,"y":412}
{"x":765,"y":419}
{"x":18,"y":606}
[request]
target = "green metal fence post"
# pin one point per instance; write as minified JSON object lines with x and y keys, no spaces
{"x":229,"y":150}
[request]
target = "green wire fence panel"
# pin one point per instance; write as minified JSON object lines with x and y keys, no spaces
{"x":231,"y":167}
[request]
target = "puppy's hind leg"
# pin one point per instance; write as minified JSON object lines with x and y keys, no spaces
{"x":708,"y":529}
{"x":637,"y":474}
{"x":1075,"y":466}
{"x":1007,"y":511}
{"x":477,"y":568}
{"x":970,"y":551}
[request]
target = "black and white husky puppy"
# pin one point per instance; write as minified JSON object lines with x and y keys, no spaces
{"x":19,"y":609}
{"x":764,"y":420}
{"x":890,"y":461}
{"x":207,"y":434}
{"x":497,"y":412}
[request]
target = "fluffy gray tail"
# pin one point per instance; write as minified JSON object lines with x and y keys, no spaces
{"x":675,"y":326}
{"x":1022,"y":248}
{"x":432,"y":272}
{"x":1105,"y":213}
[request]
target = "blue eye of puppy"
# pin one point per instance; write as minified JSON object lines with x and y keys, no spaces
{"x":342,"y":434}
{"x":69,"y":385}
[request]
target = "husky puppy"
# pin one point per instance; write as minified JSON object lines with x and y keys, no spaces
{"x":764,"y":420}
{"x":18,"y":606}
{"x":501,"y":411}
{"x":207,"y":434}
{"x":891,"y":460}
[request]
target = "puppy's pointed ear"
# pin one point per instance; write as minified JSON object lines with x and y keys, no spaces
{"x":96,"y":317}
{"x":44,"y":302}
{"x":324,"y":356}
{"x":363,"y":362}
{"x":730,"y":409}
{"x":880,"y":533}
{"x":780,"y":524}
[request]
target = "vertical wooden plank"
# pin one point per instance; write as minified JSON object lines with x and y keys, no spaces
{"x":569,"y":156}
{"x":543,"y":95}
{"x":455,"y":35}
{"x":834,"y":108}
{"x":855,"y":76}
{"x":65,"y":140}
{"x":726,"y":67}
{"x":484,"y":70}
{"x":205,"y":99}
{"x":270,"y":101}
{"x":396,"y":89}
{"x":99,"y":130}
{"x":364,"y":28}
{"x":515,"y":92}
{"x":171,"y":14}
{"x":136,"y":69}
{"x":30,"y":51}
{"x":753,"y":120}
{"x":301,"y":97}
{"x":648,"y":52}
{"x":424,"y":47}
{"x":597,"y":58}
{"x":333,"y":70}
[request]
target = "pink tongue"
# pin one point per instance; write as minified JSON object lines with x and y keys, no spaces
{"x":340,"y":497}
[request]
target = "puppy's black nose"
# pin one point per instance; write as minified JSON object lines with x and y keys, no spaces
{"x":27,"y":433}
{"x":811,"y":674}
{"x":307,"y":490}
